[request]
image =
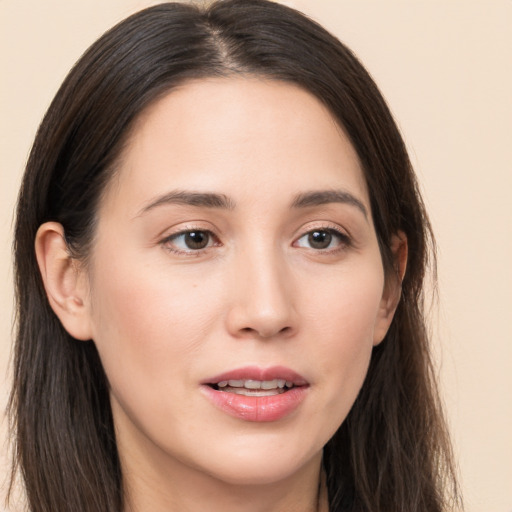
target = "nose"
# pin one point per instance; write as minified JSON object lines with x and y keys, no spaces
{"x":263,"y":303}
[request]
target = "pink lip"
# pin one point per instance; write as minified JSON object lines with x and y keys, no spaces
{"x":256,"y":373}
{"x":258,"y":409}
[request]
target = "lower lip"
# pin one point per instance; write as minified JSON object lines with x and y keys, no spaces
{"x":257,"y":408}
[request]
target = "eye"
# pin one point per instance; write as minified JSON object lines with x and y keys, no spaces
{"x":190,"y":240}
{"x":323,"y":239}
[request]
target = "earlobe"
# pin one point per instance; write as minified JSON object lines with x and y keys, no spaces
{"x":64,"y":280}
{"x":392,"y":288}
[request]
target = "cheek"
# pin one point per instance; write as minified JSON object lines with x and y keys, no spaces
{"x":148,"y":325}
{"x":345,"y":314}
{"x":345,"y":305}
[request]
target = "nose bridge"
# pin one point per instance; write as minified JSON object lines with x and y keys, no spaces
{"x":263,"y":303}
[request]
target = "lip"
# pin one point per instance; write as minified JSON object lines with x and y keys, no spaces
{"x":257,"y":408}
{"x":257,"y":373}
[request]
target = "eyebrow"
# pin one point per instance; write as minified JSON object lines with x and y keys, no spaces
{"x":184,"y":197}
{"x":320,"y":197}
{"x":222,"y":201}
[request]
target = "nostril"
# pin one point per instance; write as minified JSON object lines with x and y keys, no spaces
{"x":266,"y":333}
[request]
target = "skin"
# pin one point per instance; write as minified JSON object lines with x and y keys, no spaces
{"x":165,"y":317}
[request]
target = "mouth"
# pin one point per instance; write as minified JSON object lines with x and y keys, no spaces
{"x":255,"y":381}
{"x":252,"y":387}
{"x":255,"y":394}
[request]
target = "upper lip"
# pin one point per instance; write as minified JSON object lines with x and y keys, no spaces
{"x":258,"y":373}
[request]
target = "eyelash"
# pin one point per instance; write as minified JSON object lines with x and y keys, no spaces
{"x":344,"y":241}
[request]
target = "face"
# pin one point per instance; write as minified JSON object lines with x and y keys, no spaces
{"x":236,"y":285}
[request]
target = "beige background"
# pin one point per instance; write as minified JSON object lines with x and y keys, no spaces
{"x":445,"y":68}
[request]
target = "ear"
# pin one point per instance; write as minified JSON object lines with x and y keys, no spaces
{"x":392,"y":287}
{"x":64,"y":280}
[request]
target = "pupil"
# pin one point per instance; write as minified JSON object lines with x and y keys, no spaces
{"x":196,"y":239}
{"x":320,"y":239}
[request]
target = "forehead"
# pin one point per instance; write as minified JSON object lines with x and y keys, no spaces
{"x":242,"y":136}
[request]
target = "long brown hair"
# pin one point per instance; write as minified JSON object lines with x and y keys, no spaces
{"x":392,"y":453}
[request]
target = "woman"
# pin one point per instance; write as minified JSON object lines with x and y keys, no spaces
{"x":223,"y":310}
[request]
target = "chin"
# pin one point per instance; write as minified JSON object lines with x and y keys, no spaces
{"x":261,"y":466}
{"x":249,"y":475}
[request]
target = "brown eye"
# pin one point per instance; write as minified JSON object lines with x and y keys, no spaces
{"x":319,"y":239}
{"x":192,"y":240}
{"x":323,"y":239}
{"x":196,"y":239}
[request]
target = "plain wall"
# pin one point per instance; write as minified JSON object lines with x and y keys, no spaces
{"x":445,"y":69}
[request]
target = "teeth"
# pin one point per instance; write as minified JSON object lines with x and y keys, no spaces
{"x":255,"y":384}
{"x":256,"y":392}
{"x":269,"y":384}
